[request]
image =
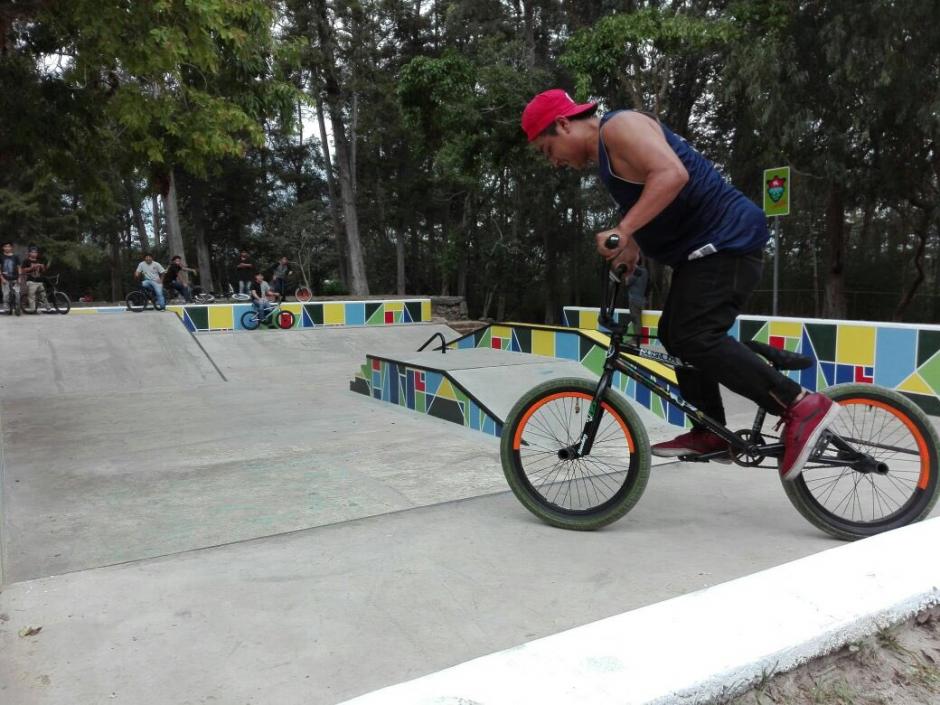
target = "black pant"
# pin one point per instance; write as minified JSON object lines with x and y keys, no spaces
{"x":705,"y":297}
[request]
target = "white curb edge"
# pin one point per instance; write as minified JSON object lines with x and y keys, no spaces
{"x":712,"y":643}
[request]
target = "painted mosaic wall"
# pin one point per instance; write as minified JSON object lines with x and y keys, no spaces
{"x":586,"y":319}
{"x":84,"y":310}
{"x":570,"y":345}
{"x":423,"y":390}
{"x":897,"y":356}
{"x":215,"y":317}
{"x":227,"y":316}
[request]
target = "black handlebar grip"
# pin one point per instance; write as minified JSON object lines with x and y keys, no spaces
{"x":612,"y":242}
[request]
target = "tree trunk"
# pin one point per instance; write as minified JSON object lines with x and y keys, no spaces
{"x":922,"y":233}
{"x":133,"y":201}
{"x":550,"y":315}
{"x":338,"y":233}
{"x":155,"y":213}
{"x":197,"y":207}
{"x":400,"y":261}
{"x":174,"y":235}
{"x":117,"y":292}
{"x":359,"y":284}
{"x":834,"y":299}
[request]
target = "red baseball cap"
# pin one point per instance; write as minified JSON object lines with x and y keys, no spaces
{"x":545,"y":107}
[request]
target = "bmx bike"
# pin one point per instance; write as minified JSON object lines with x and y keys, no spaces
{"x":576,"y":454}
{"x":57,"y":301}
{"x":140,"y":299}
{"x":273,"y":317}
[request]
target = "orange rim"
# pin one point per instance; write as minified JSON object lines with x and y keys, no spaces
{"x":517,"y":439}
{"x":924,"y":478}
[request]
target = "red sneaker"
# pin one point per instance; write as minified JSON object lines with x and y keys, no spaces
{"x":695,"y":442}
{"x":805,"y":421}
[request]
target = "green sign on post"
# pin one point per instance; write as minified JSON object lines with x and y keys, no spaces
{"x":777,"y":191}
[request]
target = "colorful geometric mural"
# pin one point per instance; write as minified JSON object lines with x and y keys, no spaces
{"x":903,"y":357}
{"x":427,"y":391}
{"x":586,"y":319}
{"x":227,"y":316}
{"x":587,"y":347}
{"x":216,"y":317}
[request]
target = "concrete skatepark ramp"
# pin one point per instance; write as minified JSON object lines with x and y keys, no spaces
{"x":122,"y":440}
{"x":45,"y":357}
{"x":274,"y":527}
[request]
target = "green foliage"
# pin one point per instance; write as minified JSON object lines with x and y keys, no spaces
{"x":99,"y":95}
{"x":628,"y":56}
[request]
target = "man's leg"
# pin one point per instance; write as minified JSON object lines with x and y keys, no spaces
{"x":705,"y":299}
{"x":158,"y":290}
{"x":31,"y":288}
{"x":7,"y":298}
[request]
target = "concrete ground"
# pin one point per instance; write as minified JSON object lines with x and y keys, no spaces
{"x":273,"y":537}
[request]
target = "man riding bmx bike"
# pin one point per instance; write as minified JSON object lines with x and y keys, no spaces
{"x":677,"y":209}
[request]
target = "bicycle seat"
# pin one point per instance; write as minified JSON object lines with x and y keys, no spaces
{"x":781,"y":359}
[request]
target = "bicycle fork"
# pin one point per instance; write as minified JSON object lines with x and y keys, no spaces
{"x":595,"y":414}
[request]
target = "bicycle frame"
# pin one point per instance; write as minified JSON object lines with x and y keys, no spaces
{"x":616,"y":362}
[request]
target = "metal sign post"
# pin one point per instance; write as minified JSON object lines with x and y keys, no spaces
{"x":776,"y":189}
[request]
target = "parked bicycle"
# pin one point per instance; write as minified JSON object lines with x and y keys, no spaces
{"x":577,"y":455}
{"x":57,"y":301}
{"x":273,"y":317}
{"x":208,"y":297}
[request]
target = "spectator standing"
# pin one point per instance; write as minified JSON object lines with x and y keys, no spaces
{"x":637,"y":289}
{"x":244,"y":272}
{"x":34,"y":268}
{"x":171,"y":278}
{"x":150,"y":274}
{"x":9,"y":272}
{"x":282,"y":270}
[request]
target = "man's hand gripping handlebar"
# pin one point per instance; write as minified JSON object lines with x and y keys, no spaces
{"x":616,"y":273}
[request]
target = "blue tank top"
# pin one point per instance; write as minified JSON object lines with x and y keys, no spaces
{"x":707,"y":211}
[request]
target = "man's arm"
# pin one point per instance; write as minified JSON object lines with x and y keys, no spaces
{"x":636,"y":146}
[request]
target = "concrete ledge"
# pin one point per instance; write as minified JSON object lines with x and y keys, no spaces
{"x":711,"y":643}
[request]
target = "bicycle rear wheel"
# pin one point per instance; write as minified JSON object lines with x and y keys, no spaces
{"x":582,"y":493}
{"x":895,"y":432}
{"x":250,"y":320}
{"x":61,"y":302}
{"x":136,"y":301}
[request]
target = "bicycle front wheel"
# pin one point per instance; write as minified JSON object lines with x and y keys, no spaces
{"x":136,"y":301}
{"x":61,"y":302}
{"x":898,"y":436}
{"x":302,"y":293}
{"x":582,"y":493}
{"x":250,"y":320}
{"x":285,"y":319}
